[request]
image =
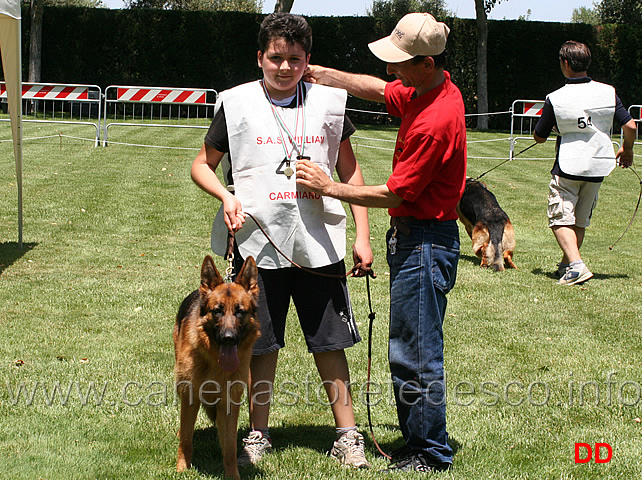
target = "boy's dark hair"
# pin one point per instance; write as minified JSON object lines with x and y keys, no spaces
{"x":440,"y":60}
{"x":292,"y":28}
{"x":577,"y":55}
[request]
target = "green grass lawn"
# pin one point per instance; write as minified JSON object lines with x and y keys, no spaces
{"x":114,"y":238}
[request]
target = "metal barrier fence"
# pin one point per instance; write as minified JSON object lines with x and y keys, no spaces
{"x":156,"y":107}
{"x":524,"y":110}
{"x":58,"y":103}
{"x":177,"y":107}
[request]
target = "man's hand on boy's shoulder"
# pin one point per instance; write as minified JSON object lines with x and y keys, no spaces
{"x":313,"y":74}
{"x":362,"y":86}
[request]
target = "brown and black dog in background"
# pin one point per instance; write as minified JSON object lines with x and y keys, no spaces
{"x":487,"y":225}
{"x":215,"y":330}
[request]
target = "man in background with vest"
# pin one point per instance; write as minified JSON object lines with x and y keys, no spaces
{"x":582,"y":112}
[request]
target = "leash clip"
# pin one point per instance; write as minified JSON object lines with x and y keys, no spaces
{"x":229,"y":255}
{"x":229,"y":271}
{"x":392,"y":243}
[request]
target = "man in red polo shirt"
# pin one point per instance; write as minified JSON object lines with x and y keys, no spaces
{"x":427,"y":181}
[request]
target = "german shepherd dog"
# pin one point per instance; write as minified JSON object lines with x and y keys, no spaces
{"x":215,"y":329}
{"x":487,"y":225}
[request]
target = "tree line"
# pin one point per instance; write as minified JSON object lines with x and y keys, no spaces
{"x":383,"y":14}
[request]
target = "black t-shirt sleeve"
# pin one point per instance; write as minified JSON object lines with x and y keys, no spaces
{"x":348,"y":128}
{"x":216,"y":136}
{"x":622,"y":115}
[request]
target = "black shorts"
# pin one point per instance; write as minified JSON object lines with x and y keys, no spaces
{"x":322,"y":305}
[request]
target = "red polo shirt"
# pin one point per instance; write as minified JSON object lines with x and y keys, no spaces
{"x":429,"y":163}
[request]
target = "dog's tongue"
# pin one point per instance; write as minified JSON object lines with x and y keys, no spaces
{"x":228,"y":358}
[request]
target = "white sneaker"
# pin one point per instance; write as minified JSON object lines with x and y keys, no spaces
{"x":573,"y":276}
{"x":255,"y":447}
{"x":348,"y":450}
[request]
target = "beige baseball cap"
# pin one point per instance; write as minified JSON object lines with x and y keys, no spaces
{"x":415,"y":34}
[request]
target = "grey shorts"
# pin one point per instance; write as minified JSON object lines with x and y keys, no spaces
{"x":571,"y":202}
{"x":322,"y":305}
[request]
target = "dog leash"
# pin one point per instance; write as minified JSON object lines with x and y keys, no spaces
{"x":369,"y":272}
{"x":634,"y":211}
{"x":507,"y":160}
{"x":371,"y":317}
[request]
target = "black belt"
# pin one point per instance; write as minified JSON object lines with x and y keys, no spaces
{"x":402,"y":223}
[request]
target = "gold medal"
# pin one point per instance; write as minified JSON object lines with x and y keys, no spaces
{"x":288,"y":171}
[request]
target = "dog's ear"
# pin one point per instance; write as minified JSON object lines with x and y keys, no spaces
{"x":248,"y":277}
{"x":210,"y":277}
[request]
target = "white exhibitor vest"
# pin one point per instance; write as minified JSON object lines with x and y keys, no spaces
{"x":307,"y":227}
{"x":584,"y":114}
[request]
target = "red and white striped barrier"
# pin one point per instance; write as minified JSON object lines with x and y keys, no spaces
{"x":527,"y":108}
{"x":170,"y":106}
{"x":525,"y":113}
{"x":47,"y":91}
{"x":160,"y":95}
{"x":77,"y":104}
{"x":533,"y":109}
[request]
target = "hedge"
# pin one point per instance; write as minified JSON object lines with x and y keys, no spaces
{"x":218,"y":50}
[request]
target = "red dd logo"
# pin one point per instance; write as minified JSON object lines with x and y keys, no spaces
{"x":584,"y":453}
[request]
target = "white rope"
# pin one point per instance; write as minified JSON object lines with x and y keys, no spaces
{"x":36,"y":138}
{"x":366,"y":111}
{"x":506,"y":158}
{"x":374,"y":139}
{"x":466,"y":115}
{"x":482,"y":114}
{"x":110,"y":142}
{"x":77,"y":138}
{"x":486,"y":141}
{"x":93,"y":140}
{"x":375,"y":148}
{"x":133,"y":144}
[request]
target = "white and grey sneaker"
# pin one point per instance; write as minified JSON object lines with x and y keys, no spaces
{"x":255,"y":446}
{"x":575,"y":275}
{"x":348,"y":450}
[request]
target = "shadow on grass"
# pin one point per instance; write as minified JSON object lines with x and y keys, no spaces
{"x":207,"y":457}
{"x":470,"y":258}
{"x":542,"y":273}
{"x":10,"y":252}
{"x":596,"y":276}
{"x":389,"y":447}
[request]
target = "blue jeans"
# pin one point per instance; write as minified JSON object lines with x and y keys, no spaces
{"x":422,"y":271}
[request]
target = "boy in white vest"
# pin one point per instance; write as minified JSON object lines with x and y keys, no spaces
{"x":582,"y":112}
{"x":259,"y":131}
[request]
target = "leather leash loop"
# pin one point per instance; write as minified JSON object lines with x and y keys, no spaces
{"x":635,"y":212}
{"x":229,"y":256}
{"x":367,"y":270}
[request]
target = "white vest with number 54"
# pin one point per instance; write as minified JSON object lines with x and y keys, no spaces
{"x":584,"y":114}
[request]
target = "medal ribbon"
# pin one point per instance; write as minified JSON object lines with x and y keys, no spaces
{"x":300,"y":109}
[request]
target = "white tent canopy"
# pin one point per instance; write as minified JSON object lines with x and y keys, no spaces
{"x":10,"y":45}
